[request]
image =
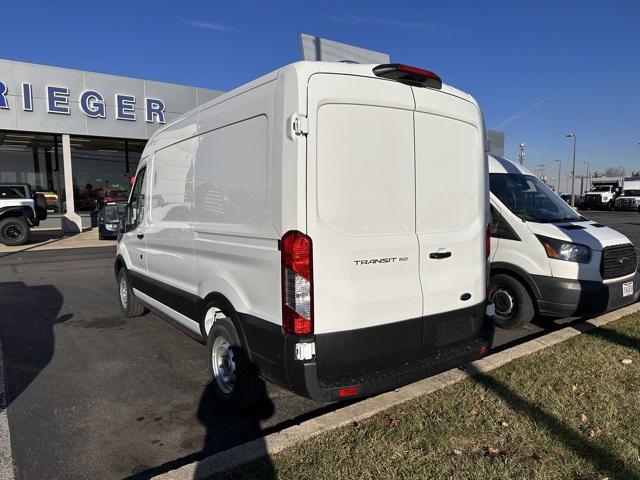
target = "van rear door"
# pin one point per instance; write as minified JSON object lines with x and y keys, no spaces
{"x":361,"y":204}
{"x":451,"y":203}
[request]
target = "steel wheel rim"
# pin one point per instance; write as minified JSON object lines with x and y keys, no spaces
{"x":504,"y":302}
{"x":124,"y":292}
{"x":223,"y":363}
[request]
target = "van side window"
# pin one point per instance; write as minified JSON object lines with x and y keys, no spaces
{"x":172,"y":182}
{"x":499,"y":227}
{"x":137,"y":200}
{"x":231,"y":173}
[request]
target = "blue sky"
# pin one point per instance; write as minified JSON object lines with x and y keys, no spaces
{"x":538,"y":68}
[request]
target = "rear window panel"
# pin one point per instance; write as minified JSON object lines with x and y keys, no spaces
{"x":365,"y":169}
{"x":450,"y":174}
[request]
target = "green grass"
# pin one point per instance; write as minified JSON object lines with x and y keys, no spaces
{"x":570,"y":411}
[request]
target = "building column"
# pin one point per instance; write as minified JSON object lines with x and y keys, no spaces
{"x":71,"y":221}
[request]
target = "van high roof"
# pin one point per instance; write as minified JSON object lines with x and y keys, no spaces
{"x":302,"y":70}
{"x":502,"y":165}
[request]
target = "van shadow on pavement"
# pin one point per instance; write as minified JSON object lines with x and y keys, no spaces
{"x":239,"y":422}
{"x":28,"y":315}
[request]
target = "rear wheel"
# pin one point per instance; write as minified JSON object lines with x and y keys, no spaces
{"x":14,"y":231}
{"x":129,"y":305}
{"x":233,"y":379}
{"x":512,"y":302}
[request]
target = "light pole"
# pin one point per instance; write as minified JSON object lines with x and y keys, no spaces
{"x":559,"y":174}
{"x":588,"y":177}
{"x":573,"y":169}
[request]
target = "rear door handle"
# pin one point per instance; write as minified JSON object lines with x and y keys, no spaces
{"x":141,"y":235}
{"x":439,"y":255}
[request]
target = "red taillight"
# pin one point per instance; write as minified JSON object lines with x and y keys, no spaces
{"x":488,"y":242}
{"x":484,"y":349}
{"x":297,"y":283}
{"x":348,"y":392}
{"x":410,"y":75}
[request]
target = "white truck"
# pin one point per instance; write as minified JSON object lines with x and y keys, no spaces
{"x":630,"y":198}
{"x":20,"y":209}
{"x":294,"y":226}
{"x":603,"y":193}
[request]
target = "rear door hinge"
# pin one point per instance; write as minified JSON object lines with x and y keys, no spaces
{"x":300,"y":124}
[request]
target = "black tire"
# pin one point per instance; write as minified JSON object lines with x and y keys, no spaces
{"x":244,"y":390}
{"x":40,"y":204}
{"x":14,"y":231}
{"x":514,"y":306}
{"x":129,"y":307}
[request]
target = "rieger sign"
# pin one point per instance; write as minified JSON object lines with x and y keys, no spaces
{"x":90,"y":102}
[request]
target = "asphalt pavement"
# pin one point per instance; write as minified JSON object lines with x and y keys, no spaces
{"x":92,"y":394}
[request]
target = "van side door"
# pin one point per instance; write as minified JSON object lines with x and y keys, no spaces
{"x":133,"y":242}
{"x":169,"y":234}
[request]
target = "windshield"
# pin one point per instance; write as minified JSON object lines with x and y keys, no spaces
{"x":601,"y":188}
{"x":530,"y":199}
{"x":631,"y":193}
{"x":112,"y":213}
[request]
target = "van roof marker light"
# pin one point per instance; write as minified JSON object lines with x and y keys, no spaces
{"x":413,"y":76}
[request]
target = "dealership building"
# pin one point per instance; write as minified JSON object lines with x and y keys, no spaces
{"x":77,"y":136}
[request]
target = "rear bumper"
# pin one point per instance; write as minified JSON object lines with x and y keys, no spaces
{"x":561,"y":297}
{"x":384,"y":357}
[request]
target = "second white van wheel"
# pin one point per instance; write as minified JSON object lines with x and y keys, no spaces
{"x":512,"y":301}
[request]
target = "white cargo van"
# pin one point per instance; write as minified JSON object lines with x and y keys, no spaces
{"x":300,"y":225}
{"x":547,"y":259}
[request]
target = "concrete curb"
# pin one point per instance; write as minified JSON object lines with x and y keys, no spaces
{"x":276,"y":442}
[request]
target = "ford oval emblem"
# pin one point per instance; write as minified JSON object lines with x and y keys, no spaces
{"x":624,"y":260}
{"x":465,"y":296}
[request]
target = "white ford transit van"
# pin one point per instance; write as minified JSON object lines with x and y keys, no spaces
{"x":300,"y":225}
{"x":546,"y":258}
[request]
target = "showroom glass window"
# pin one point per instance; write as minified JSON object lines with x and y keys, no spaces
{"x":103,"y":169}
{"x":35,"y":159}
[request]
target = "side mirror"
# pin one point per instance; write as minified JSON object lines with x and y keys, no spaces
{"x":124,"y":222}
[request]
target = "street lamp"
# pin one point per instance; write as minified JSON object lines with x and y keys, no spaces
{"x":588,"y":177}
{"x":573,"y":169}
{"x":559,"y":174}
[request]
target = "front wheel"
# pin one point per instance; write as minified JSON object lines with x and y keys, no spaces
{"x":129,"y":305}
{"x":14,"y":231}
{"x":234,"y":381}
{"x":512,"y":302}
